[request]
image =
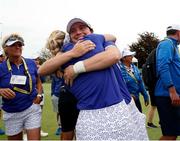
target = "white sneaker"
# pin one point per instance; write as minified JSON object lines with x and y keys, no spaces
{"x":25,"y":137}
{"x":43,"y":134}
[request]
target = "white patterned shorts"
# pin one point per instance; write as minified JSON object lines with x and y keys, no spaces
{"x":27,"y":119}
{"x":139,"y":120}
{"x":55,"y":101}
{"x":110,"y":123}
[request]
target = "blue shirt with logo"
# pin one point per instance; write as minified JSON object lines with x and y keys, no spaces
{"x":122,"y":85}
{"x":21,"y":101}
{"x":168,"y":67}
{"x":56,"y":85}
{"x":96,"y":89}
{"x":134,"y":84}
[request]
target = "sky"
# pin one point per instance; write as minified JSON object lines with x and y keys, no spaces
{"x":34,"y":20}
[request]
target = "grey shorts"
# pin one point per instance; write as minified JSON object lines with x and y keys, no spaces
{"x":55,"y":101}
{"x":27,"y":119}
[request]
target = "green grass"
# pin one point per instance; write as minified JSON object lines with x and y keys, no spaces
{"x":49,"y":119}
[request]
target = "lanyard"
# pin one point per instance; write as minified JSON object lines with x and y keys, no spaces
{"x":27,"y":73}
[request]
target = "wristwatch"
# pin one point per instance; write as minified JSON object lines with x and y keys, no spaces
{"x":41,"y":96}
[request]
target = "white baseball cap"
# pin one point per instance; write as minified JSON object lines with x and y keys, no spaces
{"x":127,"y":52}
{"x":11,"y":39}
{"x":76,"y":20}
{"x":173,"y":27}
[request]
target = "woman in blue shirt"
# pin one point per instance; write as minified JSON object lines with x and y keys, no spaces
{"x":19,"y":88}
{"x":100,"y":104}
{"x":132,"y":78}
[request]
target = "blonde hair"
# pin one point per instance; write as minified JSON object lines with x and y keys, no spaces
{"x":55,"y":41}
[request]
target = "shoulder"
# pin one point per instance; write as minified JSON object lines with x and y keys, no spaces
{"x":95,"y":36}
{"x":30,"y":63}
{"x":166,"y":42}
{"x":121,"y":65}
{"x":3,"y":65}
{"x":3,"y":68}
{"x":134,"y":65}
{"x":67,"y":47}
{"x":164,"y":47}
{"x":123,"y":69}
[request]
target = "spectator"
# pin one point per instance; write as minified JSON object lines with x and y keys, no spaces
{"x":67,"y":103}
{"x":133,"y":79}
{"x":54,"y":44}
{"x":82,"y":28}
{"x":19,"y":88}
{"x":167,"y":90}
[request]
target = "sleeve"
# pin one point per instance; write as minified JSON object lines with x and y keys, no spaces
{"x":109,"y":44}
{"x":142,"y":88}
{"x":67,"y":47}
{"x":101,"y":39}
{"x":32,"y":67}
{"x":164,"y":58}
{"x":106,"y":44}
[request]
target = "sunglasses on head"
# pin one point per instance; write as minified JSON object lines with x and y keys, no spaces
{"x":13,"y":38}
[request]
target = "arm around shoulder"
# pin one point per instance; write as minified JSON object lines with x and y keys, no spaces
{"x":103,"y":60}
{"x":53,"y":64}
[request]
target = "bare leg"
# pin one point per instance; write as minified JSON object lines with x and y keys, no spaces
{"x":58,"y":119}
{"x":168,"y":138}
{"x":33,"y":134}
{"x":67,"y":135}
{"x":15,"y":137}
{"x":151,"y":113}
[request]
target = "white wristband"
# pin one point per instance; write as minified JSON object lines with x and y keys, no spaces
{"x":79,"y":67}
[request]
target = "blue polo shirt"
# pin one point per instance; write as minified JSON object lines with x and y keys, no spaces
{"x":21,"y":101}
{"x":122,"y":85}
{"x":96,"y":89}
{"x":168,"y":67}
{"x":56,"y":84}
